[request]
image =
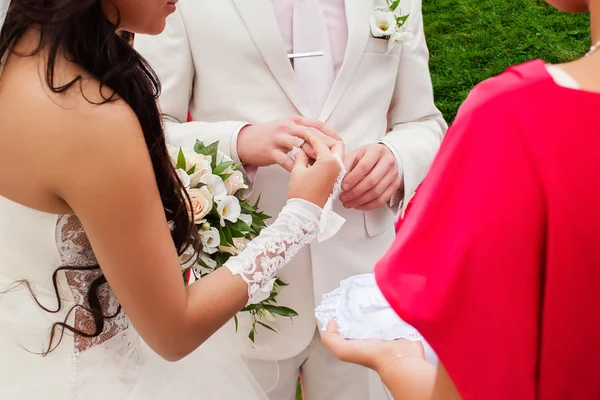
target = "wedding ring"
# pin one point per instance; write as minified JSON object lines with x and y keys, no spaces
{"x":302,"y":143}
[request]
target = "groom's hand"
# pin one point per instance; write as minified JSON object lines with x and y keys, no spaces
{"x":268,"y":144}
{"x":372,"y":178}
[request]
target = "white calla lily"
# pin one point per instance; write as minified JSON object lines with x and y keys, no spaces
{"x":383,"y":23}
{"x":229,"y":209}
{"x":215,"y":185}
{"x":185,"y":178}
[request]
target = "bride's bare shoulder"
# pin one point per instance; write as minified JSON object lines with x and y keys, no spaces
{"x":62,"y":131}
{"x":62,"y":108}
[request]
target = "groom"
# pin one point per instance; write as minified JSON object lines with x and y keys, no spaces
{"x":254,"y":74}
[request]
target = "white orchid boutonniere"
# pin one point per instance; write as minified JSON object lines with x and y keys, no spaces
{"x":388,"y":23}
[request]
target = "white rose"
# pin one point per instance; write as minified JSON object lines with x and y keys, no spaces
{"x":210,"y":240}
{"x":264,"y":294}
{"x":229,"y":209}
{"x":185,"y":178}
{"x":202,"y":203}
{"x":247,"y":219}
{"x":201,"y":164}
{"x":383,"y":23}
{"x":399,"y":38}
{"x":239,"y":245}
{"x":187,"y":258}
{"x":215,"y":185}
{"x":235,"y":182}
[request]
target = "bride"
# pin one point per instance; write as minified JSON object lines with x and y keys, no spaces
{"x":93,"y":218}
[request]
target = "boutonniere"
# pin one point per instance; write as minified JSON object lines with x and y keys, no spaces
{"x":389,"y":23}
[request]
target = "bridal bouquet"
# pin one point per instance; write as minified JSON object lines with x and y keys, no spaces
{"x":226,"y":223}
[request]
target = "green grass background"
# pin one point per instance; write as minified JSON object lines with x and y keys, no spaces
{"x":472,"y":40}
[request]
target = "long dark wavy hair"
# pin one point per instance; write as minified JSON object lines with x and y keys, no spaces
{"x":81,"y":30}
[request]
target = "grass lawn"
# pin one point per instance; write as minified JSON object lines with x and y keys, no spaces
{"x":472,"y":40}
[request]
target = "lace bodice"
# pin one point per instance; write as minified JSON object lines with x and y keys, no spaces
{"x":76,"y":251}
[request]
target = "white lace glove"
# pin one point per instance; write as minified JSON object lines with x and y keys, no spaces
{"x":263,"y":257}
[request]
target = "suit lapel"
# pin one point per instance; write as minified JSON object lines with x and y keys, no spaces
{"x":261,"y":23}
{"x":357,"y":16}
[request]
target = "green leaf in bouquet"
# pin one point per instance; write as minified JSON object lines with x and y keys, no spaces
{"x":191,"y":170}
{"x":272,"y":297}
{"x":257,"y":201}
{"x":180,"y":160}
{"x":219,"y":169}
{"x":199,"y":146}
{"x":236,"y":167}
{"x":251,"y":334}
{"x":214,"y":214}
{"x":281,"y":283}
{"x":236,"y":233}
{"x":257,"y":220}
{"x":223,"y":241}
{"x":235,"y":319}
{"x":266,"y":326}
{"x":221,"y":258}
{"x":202,"y":263}
{"x":280,"y":310}
{"x":247,"y":207}
{"x":251,"y":307}
{"x":210,"y":150}
{"x":228,"y":236}
{"x":263,"y":216}
{"x":224,"y":177}
{"x":241,"y":226}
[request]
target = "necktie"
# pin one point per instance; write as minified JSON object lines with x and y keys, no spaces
{"x":310,"y":33}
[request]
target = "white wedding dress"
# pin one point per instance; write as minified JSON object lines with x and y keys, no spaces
{"x":115,"y":365}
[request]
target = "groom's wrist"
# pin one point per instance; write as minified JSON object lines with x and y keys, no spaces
{"x":249,"y":170}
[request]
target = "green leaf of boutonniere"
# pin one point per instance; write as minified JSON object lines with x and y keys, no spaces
{"x":394,"y":5}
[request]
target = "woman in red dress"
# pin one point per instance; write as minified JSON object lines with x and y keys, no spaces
{"x":497,"y":264}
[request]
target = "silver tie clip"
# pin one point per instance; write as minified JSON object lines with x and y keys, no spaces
{"x":303,"y":55}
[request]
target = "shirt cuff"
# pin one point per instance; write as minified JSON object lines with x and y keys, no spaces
{"x":397,"y":197}
{"x":248,"y":169}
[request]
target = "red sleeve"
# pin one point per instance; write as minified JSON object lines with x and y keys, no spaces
{"x":465,"y":267}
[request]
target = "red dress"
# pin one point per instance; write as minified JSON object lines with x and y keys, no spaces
{"x":497,"y":263}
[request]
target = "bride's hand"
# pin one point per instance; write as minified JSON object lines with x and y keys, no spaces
{"x":374,"y":354}
{"x":314,"y":183}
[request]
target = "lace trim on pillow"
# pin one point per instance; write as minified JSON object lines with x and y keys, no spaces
{"x":75,"y":250}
